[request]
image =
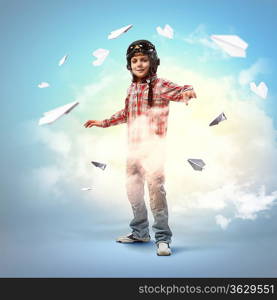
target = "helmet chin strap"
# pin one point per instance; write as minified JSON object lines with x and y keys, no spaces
{"x":150,"y":88}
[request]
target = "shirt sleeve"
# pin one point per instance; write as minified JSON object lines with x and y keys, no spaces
{"x":117,"y":118}
{"x":173,"y":92}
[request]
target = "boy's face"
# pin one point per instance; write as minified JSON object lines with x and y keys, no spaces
{"x":140,"y":65}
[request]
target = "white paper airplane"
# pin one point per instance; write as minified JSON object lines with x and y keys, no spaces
{"x":218,"y":119}
{"x":99,"y":165}
{"x":86,"y":189}
{"x":232,"y":44}
{"x":167,"y":31}
{"x":197,"y":164}
{"x":53,"y":115}
{"x":43,"y":85}
{"x":116,"y":33}
{"x":101,"y":55}
{"x":62,"y":60}
{"x":260,"y":90}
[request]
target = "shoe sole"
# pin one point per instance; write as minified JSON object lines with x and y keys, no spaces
{"x":164,"y":254}
{"x":132,"y":241}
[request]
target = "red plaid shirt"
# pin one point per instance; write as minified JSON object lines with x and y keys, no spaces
{"x":142,"y":120}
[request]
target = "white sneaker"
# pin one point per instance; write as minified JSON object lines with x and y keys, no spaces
{"x":163,"y":249}
{"x":131,"y":239}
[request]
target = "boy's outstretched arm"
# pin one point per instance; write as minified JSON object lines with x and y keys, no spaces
{"x":117,"y":118}
{"x":91,"y":123}
{"x":173,"y":92}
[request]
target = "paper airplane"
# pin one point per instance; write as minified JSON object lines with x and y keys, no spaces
{"x":260,"y":90}
{"x":101,"y":55}
{"x":43,"y":85}
{"x":232,"y":44}
{"x":53,"y":115}
{"x":218,"y":119}
{"x":116,"y":33}
{"x":167,"y":31}
{"x":197,"y":164}
{"x":86,"y":189}
{"x":62,"y":60}
{"x":99,"y":165}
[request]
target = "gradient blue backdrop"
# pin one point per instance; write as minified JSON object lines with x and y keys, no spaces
{"x":44,"y":240}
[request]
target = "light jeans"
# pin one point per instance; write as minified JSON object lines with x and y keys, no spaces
{"x":137,"y":174}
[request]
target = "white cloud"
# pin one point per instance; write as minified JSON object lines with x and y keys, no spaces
{"x":210,"y":50}
{"x":243,"y":201}
{"x":47,"y":179}
{"x":250,"y":204}
{"x":250,"y":74}
{"x":58,"y":141}
{"x":200,"y":36}
{"x":222,"y":221}
{"x":237,"y":152}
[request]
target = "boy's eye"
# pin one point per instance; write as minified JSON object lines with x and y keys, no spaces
{"x":145,"y":59}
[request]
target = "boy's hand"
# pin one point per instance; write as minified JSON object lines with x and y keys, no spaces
{"x":91,"y":123}
{"x":187,"y":95}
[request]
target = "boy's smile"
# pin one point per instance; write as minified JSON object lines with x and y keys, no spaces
{"x":140,"y":65}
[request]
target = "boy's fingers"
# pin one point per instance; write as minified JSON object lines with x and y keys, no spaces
{"x":192,"y":95}
{"x":88,"y":123}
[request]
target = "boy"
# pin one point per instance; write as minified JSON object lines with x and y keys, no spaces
{"x":146,"y":113}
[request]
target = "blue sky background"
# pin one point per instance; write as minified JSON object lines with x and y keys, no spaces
{"x":41,"y":230}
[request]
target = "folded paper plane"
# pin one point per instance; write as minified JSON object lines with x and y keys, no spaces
{"x":55,"y":114}
{"x":101,"y":55}
{"x":197,"y":164}
{"x":116,"y":33}
{"x":86,"y":189}
{"x":167,"y":31}
{"x":232,"y":44}
{"x":62,"y":60}
{"x":218,"y":119}
{"x":43,"y":85}
{"x":260,"y":90}
{"x":99,"y":165}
